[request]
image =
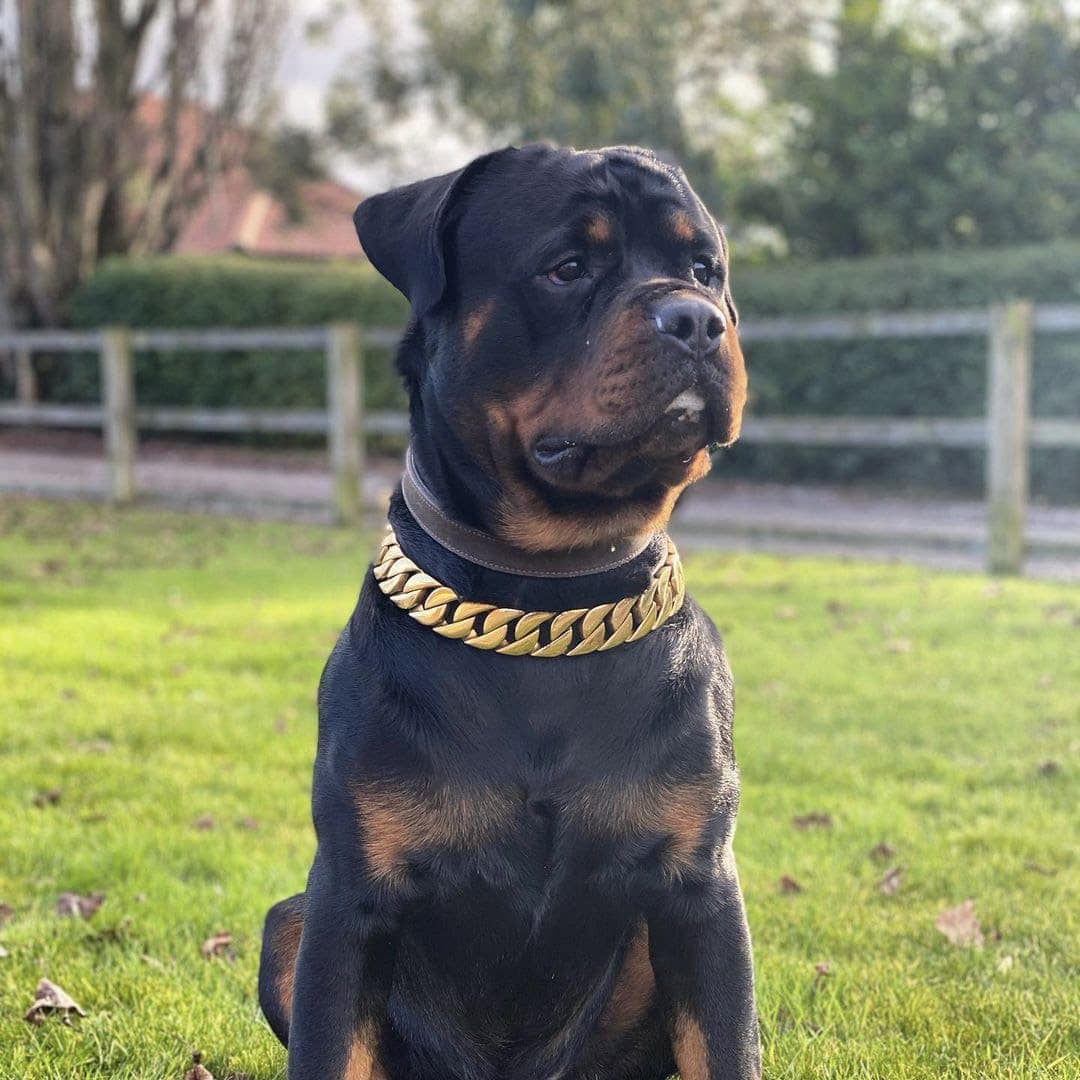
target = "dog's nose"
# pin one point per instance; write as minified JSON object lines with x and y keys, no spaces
{"x":693,"y":321}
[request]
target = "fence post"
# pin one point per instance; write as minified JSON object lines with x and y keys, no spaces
{"x":1008,"y":417}
{"x":118,"y":401}
{"x":26,"y":391}
{"x":344,"y":400}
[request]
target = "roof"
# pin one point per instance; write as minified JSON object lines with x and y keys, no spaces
{"x":237,"y":215}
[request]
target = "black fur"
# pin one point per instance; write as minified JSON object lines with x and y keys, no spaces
{"x":538,"y":814}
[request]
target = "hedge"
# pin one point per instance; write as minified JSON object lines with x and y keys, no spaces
{"x":233,"y":291}
{"x":943,"y":377}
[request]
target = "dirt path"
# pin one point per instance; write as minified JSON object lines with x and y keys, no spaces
{"x":716,"y":514}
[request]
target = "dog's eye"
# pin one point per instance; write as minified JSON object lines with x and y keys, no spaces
{"x":703,"y":271}
{"x":567,"y":271}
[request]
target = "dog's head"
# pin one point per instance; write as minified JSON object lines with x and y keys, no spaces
{"x":574,"y":328}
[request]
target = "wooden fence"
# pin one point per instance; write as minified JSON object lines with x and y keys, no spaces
{"x":1006,"y":432}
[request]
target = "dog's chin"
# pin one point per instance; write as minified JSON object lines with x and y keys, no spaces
{"x":661,"y":453}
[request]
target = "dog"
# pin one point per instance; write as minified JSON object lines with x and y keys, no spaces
{"x":524,"y":862}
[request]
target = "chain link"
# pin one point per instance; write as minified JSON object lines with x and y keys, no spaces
{"x":513,"y":632}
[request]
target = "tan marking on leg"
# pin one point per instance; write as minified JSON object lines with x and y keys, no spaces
{"x":361,"y":1063}
{"x":681,"y":226}
{"x":635,"y":988}
{"x":476,"y":322}
{"x":286,"y":946}
{"x":691,"y":1050}
{"x":397,"y":820}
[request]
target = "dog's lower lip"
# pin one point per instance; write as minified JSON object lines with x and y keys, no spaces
{"x":554,"y":451}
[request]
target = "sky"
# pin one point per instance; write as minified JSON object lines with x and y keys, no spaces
{"x":308,"y":67}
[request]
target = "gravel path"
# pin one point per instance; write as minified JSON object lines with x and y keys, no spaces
{"x":717,"y":514}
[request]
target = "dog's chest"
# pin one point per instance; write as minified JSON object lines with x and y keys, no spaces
{"x":548,"y":798}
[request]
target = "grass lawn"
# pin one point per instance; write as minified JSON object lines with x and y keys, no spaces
{"x":158,"y":672}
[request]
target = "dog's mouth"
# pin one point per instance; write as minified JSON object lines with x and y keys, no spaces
{"x":669,"y":440}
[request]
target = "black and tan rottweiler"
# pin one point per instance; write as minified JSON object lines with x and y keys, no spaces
{"x":524,"y":867}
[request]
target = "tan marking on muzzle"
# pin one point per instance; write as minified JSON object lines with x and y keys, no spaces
{"x":476,"y":322}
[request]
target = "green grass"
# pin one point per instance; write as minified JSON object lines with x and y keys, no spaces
{"x":158,"y":667}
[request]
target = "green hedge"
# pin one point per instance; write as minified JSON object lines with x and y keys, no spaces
{"x":931,"y":377}
{"x":943,"y":377}
{"x":232,"y":292}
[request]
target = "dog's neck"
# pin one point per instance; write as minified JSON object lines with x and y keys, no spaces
{"x":481,"y":547}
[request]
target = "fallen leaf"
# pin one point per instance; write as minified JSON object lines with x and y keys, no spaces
{"x":891,"y":880}
{"x":72,"y":904}
{"x":48,"y":797}
{"x":882,"y":852}
{"x":821,"y":972}
{"x":217,"y":945}
{"x":247,"y":823}
{"x":6,"y":912}
{"x":50,"y":998}
{"x":112,"y":935}
{"x":3,"y":952}
{"x":204,"y":822}
{"x":1005,"y":964}
{"x":1049,"y":767}
{"x":960,"y":925}
{"x":197,"y":1070}
{"x":96,"y":746}
{"x":1059,"y":613}
{"x":784,"y":1020}
{"x":787,"y":612}
{"x":814,"y":820}
{"x":1038,"y":868}
{"x":789,"y":885}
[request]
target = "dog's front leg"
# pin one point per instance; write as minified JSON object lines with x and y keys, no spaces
{"x":343,"y":973}
{"x":699,"y":946}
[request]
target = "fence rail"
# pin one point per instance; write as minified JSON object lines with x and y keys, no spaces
{"x":1007,"y":431}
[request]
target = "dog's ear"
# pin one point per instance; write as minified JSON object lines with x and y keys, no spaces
{"x":729,"y":300}
{"x":402,"y":232}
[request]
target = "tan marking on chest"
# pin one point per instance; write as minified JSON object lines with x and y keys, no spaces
{"x":691,"y":1050}
{"x":635,"y":988}
{"x":667,"y":808}
{"x":397,"y":820}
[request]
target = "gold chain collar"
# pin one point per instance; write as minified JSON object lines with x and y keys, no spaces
{"x":528,"y":633}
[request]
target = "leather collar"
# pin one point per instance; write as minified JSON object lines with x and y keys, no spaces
{"x":489,"y":551}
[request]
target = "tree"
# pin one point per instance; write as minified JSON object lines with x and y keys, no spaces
{"x":82,"y":174}
{"x":281,"y":160}
{"x":580,"y":72}
{"x":910,"y":141}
